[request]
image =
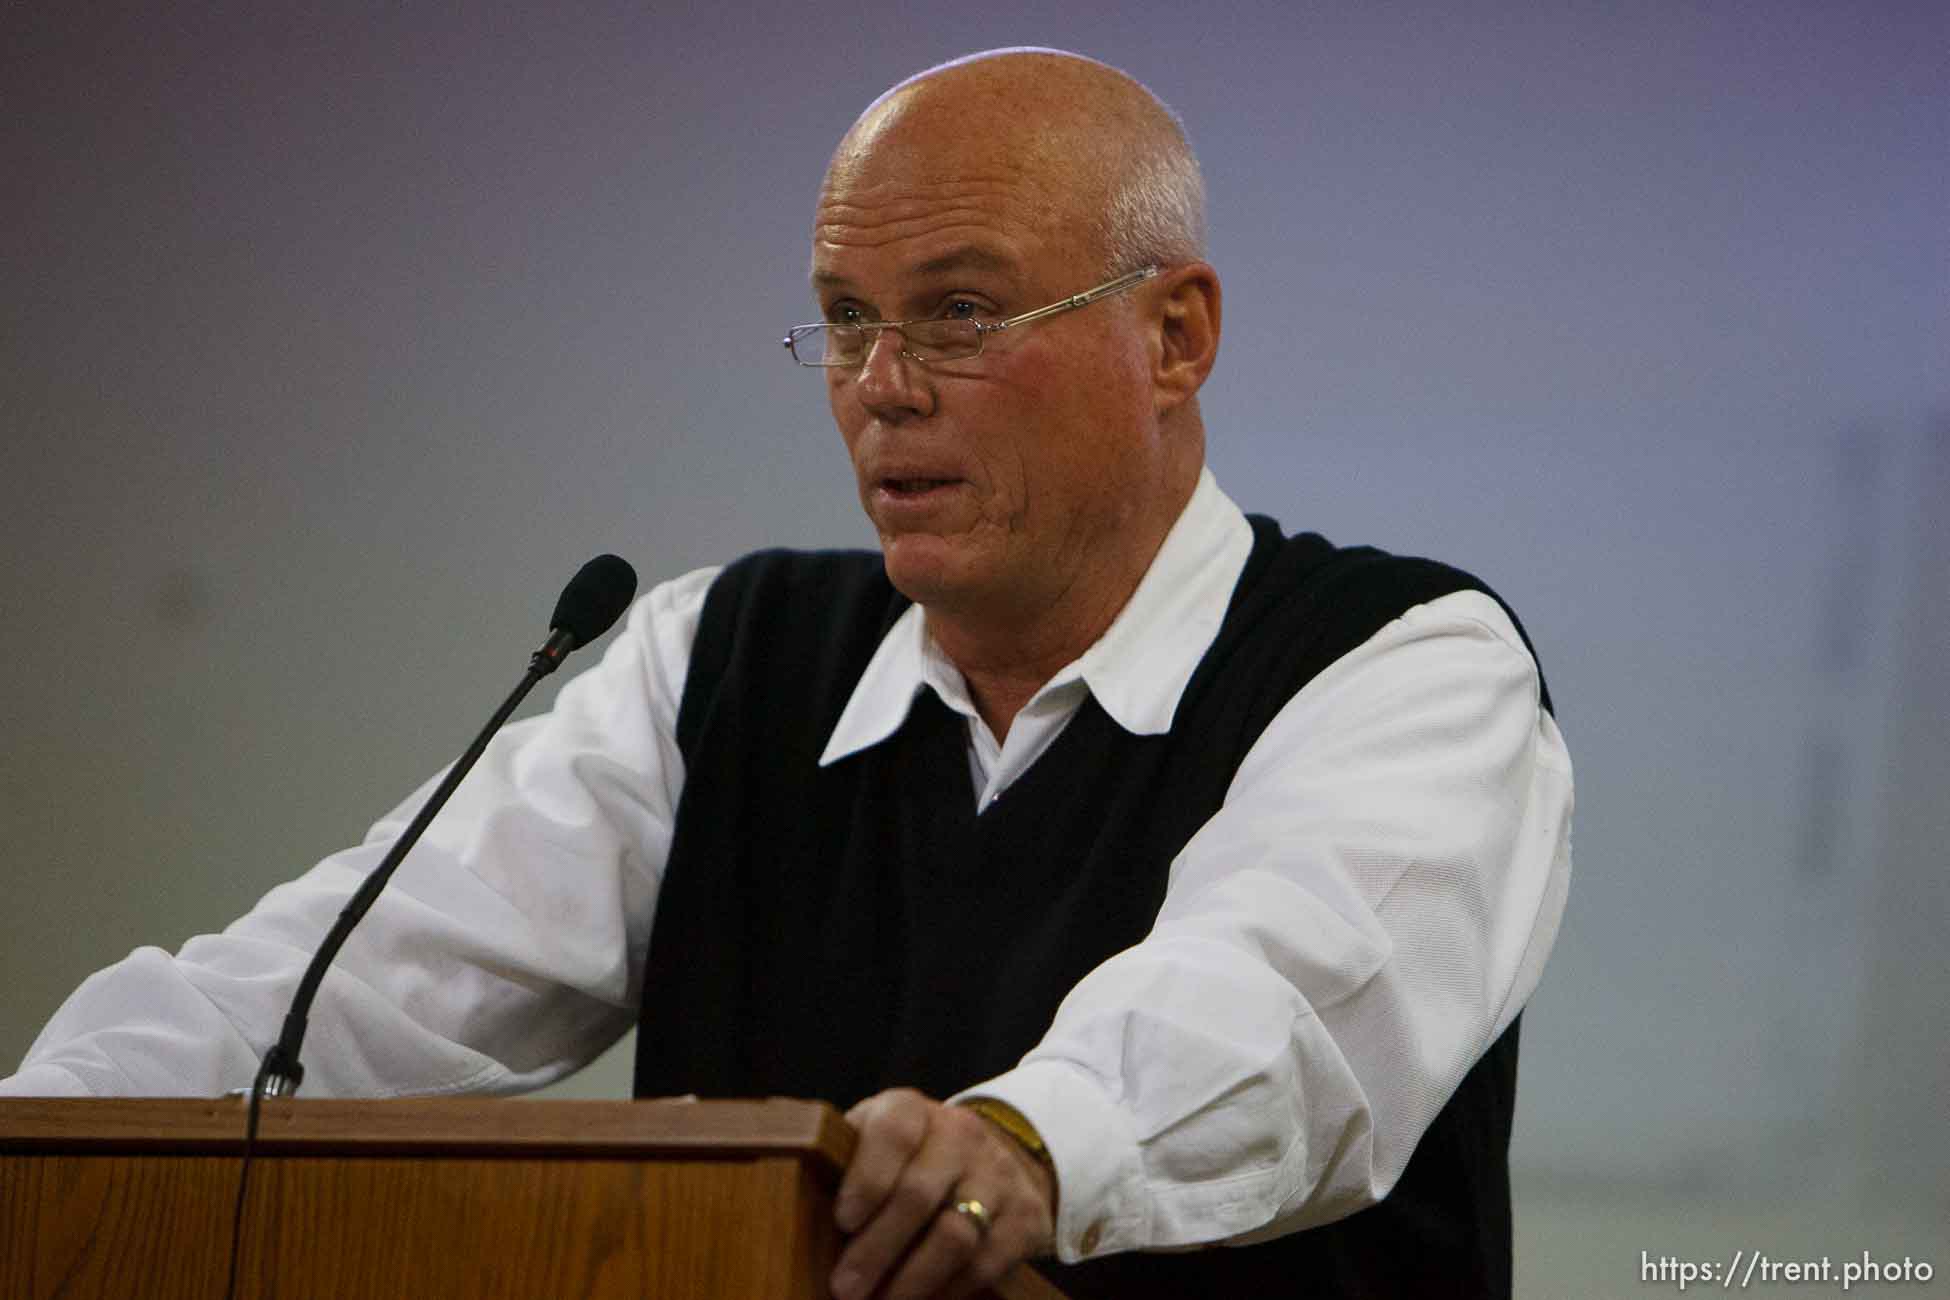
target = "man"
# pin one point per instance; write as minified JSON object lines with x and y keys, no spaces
{"x":1203,"y":871}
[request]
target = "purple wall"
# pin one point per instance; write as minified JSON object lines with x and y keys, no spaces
{"x":336,"y":339}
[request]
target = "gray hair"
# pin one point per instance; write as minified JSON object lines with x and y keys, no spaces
{"x":1156,"y":212}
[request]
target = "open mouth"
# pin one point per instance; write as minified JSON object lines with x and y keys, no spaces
{"x":914,"y":486}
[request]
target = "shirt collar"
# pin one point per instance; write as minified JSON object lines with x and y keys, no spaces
{"x":1137,"y":670}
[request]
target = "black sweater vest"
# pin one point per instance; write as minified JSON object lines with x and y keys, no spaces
{"x":830,"y":932}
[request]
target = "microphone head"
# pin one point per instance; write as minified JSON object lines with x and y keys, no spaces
{"x":594,"y":599}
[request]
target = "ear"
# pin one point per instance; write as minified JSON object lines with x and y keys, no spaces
{"x":1187,"y":338}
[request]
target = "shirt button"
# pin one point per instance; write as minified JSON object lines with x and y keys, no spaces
{"x":1091,"y":1236}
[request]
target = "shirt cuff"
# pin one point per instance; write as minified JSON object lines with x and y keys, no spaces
{"x":1100,"y":1205}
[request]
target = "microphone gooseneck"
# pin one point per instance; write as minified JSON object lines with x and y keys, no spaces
{"x":593,"y":600}
{"x":589,"y":605}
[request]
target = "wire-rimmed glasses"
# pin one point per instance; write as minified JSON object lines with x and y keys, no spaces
{"x":944,"y":338}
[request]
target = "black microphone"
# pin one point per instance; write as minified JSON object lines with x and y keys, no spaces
{"x":593,"y":600}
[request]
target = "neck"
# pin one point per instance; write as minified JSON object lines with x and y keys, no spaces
{"x":1006,"y":656}
{"x":1005,"y":667}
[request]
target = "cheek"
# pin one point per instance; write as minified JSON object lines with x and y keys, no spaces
{"x":840,"y":403}
{"x":1102,"y":458}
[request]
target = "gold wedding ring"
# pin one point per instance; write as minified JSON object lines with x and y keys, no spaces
{"x":976,"y":1213}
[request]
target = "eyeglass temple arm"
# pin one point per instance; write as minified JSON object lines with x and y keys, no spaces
{"x":1074,"y":301}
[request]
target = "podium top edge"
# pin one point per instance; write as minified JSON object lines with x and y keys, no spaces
{"x":454,"y":1126}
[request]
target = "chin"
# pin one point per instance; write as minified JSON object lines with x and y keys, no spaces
{"x":926,"y":570}
{"x":919,"y":583}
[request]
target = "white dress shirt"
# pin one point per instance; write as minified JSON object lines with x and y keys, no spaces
{"x":1337,"y":947}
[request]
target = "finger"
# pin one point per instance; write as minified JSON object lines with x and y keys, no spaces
{"x":892,"y":1127}
{"x":1023,"y":1223}
{"x":941,"y":1257}
{"x":955,"y":1256}
{"x":904,"y":1215}
{"x":1018,"y":1235}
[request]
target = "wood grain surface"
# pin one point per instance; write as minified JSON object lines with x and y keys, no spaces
{"x":426,"y":1198}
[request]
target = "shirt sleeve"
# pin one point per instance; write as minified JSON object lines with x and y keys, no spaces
{"x":1338,"y":946}
{"x":505,"y":953}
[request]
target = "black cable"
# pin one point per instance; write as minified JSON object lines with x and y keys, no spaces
{"x":244,"y":1180}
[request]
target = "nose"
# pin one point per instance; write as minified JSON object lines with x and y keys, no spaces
{"x":890,"y":383}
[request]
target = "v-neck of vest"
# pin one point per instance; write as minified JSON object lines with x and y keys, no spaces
{"x":1042,"y":781}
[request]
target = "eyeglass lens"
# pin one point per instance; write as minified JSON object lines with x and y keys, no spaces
{"x":846,"y":345}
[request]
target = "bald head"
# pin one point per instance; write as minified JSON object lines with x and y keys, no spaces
{"x":1020,"y":490}
{"x":1089,"y":150}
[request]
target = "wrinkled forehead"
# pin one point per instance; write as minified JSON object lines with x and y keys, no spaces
{"x":920,"y":201}
{"x":921,"y":167}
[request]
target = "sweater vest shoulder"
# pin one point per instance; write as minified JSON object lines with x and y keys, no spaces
{"x":832,"y":931}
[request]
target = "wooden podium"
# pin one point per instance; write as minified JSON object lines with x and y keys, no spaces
{"x":426,"y":1198}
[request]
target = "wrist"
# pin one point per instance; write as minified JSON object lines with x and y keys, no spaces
{"x":1022,"y":1134}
